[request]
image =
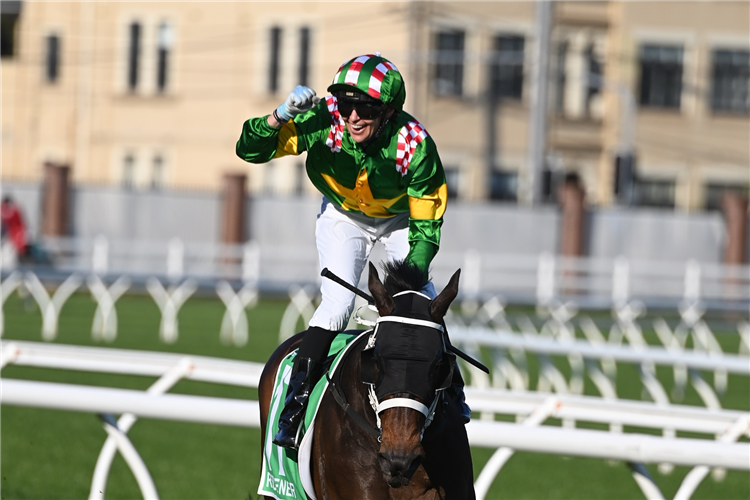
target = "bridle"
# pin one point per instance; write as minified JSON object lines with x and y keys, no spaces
{"x":368,"y":377}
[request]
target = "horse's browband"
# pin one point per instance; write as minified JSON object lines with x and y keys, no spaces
{"x":412,"y":291}
{"x":411,"y":321}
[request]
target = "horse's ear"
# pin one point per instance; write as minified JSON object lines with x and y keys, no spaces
{"x":383,"y":301}
{"x":442,"y":302}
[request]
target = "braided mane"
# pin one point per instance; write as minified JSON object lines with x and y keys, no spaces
{"x":401,"y":276}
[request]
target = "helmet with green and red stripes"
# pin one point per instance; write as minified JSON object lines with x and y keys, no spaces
{"x":373,"y":75}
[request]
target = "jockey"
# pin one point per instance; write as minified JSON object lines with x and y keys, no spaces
{"x":381,"y":180}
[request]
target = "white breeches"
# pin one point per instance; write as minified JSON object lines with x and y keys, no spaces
{"x":344,"y":242}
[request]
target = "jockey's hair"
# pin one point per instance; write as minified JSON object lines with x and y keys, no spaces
{"x":401,"y":275}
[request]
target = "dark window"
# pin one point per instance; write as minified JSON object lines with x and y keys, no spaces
{"x":661,"y":76}
{"x":7,"y":35}
{"x":163,"y":50}
{"x":654,"y":193}
{"x":594,"y":77}
{"x":504,"y":186}
{"x":128,"y":171}
{"x":716,"y":191}
{"x":304,"y":55}
{"x":52,"y":66}
{"x":134,"y":53}
{"x":452,"y":181}
{"x":730,"y":81}
{"x":561,"y":54}
{"x":507,"y":67}
{"x":157,"y":173}
{"x":273,"y":70}
{"x":449,"y":67}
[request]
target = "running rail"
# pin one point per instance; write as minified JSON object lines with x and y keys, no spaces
{"x":506,"y":437}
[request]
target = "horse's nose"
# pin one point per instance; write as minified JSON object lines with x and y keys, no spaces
{"x":398,"y":467}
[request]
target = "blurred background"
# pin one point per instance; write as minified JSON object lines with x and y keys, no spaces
{"x":586,"y":129}
{"x":597,"y":157}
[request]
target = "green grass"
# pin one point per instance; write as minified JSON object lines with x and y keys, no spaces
{"x":51,"y":454}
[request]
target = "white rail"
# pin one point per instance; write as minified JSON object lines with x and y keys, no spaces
{"x":700,"y":360}
{"x":537,"y":407}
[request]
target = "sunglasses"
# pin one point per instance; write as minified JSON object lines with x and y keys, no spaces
{"x":365,"y":110}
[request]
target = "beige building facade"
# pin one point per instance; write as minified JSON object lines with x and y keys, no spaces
{"x":152,"y":95}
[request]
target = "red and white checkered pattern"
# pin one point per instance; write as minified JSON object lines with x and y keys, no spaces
{"x":337,"y":125}
{"x":376,"y":79}
{"x":352,"y":75}
{"x":409,"y":137}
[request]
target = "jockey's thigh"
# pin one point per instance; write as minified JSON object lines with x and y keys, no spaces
{"x":343,"y":247}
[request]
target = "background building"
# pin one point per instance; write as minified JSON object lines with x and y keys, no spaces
{"x":152,"y":95}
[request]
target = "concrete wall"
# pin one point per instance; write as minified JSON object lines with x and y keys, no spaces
{"x":289,"y":222}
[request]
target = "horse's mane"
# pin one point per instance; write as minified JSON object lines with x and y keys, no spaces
{"x":401,"y":276}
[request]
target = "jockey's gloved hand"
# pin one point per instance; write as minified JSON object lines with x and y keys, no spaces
{"x":300,"y":99}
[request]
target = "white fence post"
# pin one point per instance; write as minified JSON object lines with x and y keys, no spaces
{"x":301,"y":305}
{"x":6,"y":288}
{"x":104,"y":326}
{"x":126,"y":421}
{"x":100,"y":255}
{"x":51,"y":307}
{"x":170,"y":301}
{"x":234,"y":328}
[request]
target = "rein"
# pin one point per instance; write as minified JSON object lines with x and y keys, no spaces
{"x":340,"y":398}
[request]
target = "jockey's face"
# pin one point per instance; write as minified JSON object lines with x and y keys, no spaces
{"x":362,"y":129}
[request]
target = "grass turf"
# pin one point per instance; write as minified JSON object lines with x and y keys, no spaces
{"x":51,"y":454}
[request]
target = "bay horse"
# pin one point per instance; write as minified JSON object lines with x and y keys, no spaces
{"x":406,"y":460}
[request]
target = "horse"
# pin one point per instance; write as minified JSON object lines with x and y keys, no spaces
{"x":406,"y":451}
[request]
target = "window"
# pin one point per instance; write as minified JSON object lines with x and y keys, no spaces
{"x":162,"y":57}
{"x":561,"y":55}
{"x":715,"y":193}
{"x":304,"y":55}
{"x":7,"y":35}
{"x":730,"y":81}
{"x":452,"y":180}
{"x":157,"y":173}
{"x":661,"y":76}
{"x":52,"y":66}
{"x":273,"y":69}
{"x":507,"y":67}
{"x":594,"y":77}
{"x":134,"y":53}
{"x":504,"y":186}
{"x":449,"y":68}
{"x":128,"y":171}
{"x":654,"y":193}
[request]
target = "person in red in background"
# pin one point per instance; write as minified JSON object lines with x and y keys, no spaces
{"x":13,"y":225}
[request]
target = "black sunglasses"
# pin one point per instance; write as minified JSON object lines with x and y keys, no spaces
{"x":366,"y":110}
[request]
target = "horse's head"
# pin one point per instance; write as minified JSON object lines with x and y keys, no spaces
{"x":408,"y":365}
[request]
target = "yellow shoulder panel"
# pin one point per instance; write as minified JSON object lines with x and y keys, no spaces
{"x":287,"y":141}
{"x":430,"y":206}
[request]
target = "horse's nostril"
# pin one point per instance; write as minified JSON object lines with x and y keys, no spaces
{"x":398,"y":466}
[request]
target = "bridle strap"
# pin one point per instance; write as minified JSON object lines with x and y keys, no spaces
{"x":403,"y":403}
{"x":340,"y":398}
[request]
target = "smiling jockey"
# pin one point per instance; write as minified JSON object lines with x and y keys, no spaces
{"x":381,"y":180}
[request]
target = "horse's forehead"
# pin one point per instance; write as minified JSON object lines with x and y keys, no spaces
{"x":412,"y":305}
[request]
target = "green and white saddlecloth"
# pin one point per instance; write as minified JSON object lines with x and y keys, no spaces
{"x":285,"y":474}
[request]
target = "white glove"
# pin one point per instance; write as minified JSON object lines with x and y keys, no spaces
{"x":301,"y":99}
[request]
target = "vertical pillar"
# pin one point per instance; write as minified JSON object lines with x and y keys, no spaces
{"x":233,"y":210}
{"x":56,"y":198}
{"x":571,"y":196}
{"x":734,"y":207}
